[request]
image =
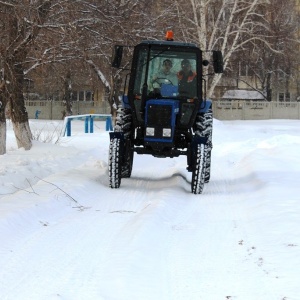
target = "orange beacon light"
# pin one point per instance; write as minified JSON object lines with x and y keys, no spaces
{"x":170,"y":35}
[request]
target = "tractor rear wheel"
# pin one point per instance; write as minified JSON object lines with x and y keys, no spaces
{"x":198,"y":175}
{"x":114,"y":164}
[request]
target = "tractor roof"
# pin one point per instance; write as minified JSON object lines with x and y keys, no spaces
{"x":168,"y":43}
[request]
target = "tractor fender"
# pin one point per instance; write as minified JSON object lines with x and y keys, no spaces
{"x":205,"y":106}
{"x":125,"y":101}
{"x":116,"y":134}
{"x":198,"y":140}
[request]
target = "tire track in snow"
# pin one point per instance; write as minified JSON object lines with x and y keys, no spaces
{"x":145,"y":238}
{"x":204,"y":268}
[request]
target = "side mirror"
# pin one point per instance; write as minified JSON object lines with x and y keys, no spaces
{"x":117,"y":56}
{"x":218,"y":61}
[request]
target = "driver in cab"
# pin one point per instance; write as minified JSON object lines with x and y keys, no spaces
{"x":165,"y":75}
{"x":187,"y":80}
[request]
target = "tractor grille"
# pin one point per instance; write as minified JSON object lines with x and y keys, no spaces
{"x":159,"y":115}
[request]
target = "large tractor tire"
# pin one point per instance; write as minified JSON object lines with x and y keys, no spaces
{"x":208,"y":165}
{"x":124,"y":124}
{"x":127,"y":160}
{"x":203,"y":128}
{"x":124,"y":121}
{"x":114,"y":164}
{"x":198,"y":175}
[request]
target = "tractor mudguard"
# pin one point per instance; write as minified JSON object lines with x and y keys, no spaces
{"x":116,"y":134}
{"x":205,"y":106}
{"x":198,"y":140}
{"x":125,"y":101}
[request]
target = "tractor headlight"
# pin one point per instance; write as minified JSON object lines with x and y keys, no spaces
{"x":149,"y":131}
{"x":167,"y":132}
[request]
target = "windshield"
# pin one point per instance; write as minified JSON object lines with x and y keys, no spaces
{"x":169,"y":73}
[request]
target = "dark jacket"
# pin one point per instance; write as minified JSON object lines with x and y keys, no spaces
{"x":187,"y":84}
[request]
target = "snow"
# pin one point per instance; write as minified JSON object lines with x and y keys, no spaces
{"x":66,"y":235}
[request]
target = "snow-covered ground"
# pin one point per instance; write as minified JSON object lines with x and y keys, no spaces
{"x":64,"y":234}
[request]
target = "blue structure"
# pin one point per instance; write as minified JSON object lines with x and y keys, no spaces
{"x":88,"y":122}
{"x":37,"y":112}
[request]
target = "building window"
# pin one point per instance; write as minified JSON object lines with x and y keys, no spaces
{"x":245,"y":70}
{"x":74,"y":95}
{"x":280,"y":97}
{"x":287,"y":97}
{"x":81,"y":96}
{"x":88,"y":96}
{"x":284,"y":97}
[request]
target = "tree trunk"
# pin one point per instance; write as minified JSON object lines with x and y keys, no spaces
{"x":215,"y":80}
{"x":2,"y":122}
{"x":23,"y":134}
{"x":21,"y":125}
{"x":18,"y":112}
{"x":2,"y":136}
{"x":68,"y":94}
{"x":268,"y":87}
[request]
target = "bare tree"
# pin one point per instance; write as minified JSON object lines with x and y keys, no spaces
{"x":124,"y":22}
{"x":227,"y":25}
{"x":33,"y":33}
{"x":21,"y":24}
{"x":260,"y":62}
{"x":283,"y":23}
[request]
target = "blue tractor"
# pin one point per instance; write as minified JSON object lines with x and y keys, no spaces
{"x":164,"y":113}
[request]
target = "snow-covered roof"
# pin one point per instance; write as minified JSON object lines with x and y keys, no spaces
{"x":243,"y":94}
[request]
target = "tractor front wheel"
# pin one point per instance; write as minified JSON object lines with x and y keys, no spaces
{"x":114,"y":164}
{"x":199,"y":163}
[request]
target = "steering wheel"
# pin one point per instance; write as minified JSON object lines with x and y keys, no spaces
{"x":160,"y":81}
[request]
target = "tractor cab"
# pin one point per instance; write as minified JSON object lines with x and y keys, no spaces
{"x":158,"y":74}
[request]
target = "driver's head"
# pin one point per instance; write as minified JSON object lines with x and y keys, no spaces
{"x":167,"y":64}
{"x":185,"y":65}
